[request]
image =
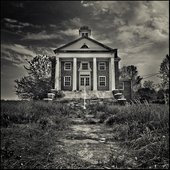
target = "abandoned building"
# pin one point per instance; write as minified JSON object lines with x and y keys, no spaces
{"x":85,"y":64}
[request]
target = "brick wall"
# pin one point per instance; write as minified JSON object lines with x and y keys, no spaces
{"x":103,"y":73}
{"x":127,"y":92}
{"x":53,"y":65}
{"x":117,"y":74}
{"x":91,"y":66}
{"x":78,"y":75}
{"x":66,"y":73}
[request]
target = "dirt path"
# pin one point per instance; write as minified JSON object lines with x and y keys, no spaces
{"x":92,"y":143}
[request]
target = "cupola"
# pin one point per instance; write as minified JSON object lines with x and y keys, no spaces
{"x":84,"y":31}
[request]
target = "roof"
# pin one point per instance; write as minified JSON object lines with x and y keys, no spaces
{"x":105,"y":48}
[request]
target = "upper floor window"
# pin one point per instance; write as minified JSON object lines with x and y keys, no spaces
{"x":102,"y":65}
{"x":85,"y":66}
{"x":67,"y":66}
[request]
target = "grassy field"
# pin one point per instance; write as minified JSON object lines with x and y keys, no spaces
{"x":30,"y":131}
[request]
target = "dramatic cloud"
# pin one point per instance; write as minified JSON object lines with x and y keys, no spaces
{"x":70,"y":32}
{"x":16,"y":54}
{"x":41,"y":36}
{"x":12,"y":23}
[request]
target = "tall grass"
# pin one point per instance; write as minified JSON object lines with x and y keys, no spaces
{"x":29,"y":131}
{"x":144,"y":130}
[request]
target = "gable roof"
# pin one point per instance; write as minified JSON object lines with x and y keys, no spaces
{"x":104,"y":47}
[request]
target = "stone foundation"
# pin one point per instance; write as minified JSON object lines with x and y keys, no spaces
{"x":88,"y":95}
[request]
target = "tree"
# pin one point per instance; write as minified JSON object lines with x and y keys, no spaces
{"x":164,"y":72}
{"x":149,"y":84}
{"x":164,"y":75}
{"x":38,"y":82}
{"x":131,"y":72}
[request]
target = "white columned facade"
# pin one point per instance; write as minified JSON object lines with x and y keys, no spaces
{"x":94,"y":74}
{"x":57,"y":74}
{"x":112,"y":74}
{"x":74,"y":73}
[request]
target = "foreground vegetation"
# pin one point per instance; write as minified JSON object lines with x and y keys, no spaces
{"x":30,"y":131}
{"x":142,"y":129}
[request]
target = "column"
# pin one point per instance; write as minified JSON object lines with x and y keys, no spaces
{"x":112,"y":74}
{"x":94,"y":75}
{"x":57,"y":74}
{"x":74,"y":73}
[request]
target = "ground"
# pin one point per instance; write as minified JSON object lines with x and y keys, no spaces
{"x":92,"y":142}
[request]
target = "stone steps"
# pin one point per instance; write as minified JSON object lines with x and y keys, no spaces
{"x":118,"y":95}
{"x":93,"y":95}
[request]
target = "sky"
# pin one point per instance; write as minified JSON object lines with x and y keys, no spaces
{"x":138,"y":29}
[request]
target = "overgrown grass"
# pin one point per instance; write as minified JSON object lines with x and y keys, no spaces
{"x":29,"y":131}
{"x":143,"y":130}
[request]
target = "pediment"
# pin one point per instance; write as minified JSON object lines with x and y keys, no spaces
{"x":84,"y":44}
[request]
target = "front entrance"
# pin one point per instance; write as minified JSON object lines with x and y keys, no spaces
{"x":85,"y":82}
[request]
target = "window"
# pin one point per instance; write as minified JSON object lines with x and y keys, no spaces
{"x":84,"y":46}
{"x":67,"y":66}
{"x":102,"y":65}
{"x":67,"y":81}
{"x":87,"y":81}
{"x":85,"y":66}
{"x":102,"y":80}
{"x":82,"y":81}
